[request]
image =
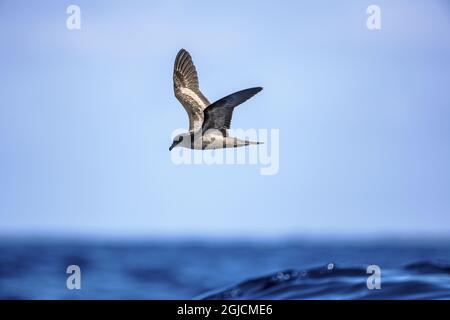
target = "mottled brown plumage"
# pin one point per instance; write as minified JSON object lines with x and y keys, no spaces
{"x":187,"y":91}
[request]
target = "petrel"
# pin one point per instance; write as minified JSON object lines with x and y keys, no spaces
{"x":208,"y":123}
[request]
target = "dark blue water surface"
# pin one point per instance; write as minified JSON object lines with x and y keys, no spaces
{"x":239,"y":270}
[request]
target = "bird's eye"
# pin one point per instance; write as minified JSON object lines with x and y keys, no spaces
{"x":180,"y":139}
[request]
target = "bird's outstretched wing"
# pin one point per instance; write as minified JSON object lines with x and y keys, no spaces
{"x":185,"y":85}
{"x":218,"y":115}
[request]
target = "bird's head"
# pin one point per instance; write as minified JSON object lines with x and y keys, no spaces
{"x":176,"y":141}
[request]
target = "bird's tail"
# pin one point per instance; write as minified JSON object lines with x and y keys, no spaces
{"x":253,"y":142}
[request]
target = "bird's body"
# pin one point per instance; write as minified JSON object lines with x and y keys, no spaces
{"x":212,"y":140}
{"x":208,"y":123}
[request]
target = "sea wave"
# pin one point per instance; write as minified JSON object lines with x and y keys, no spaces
{"x":420,"y":280}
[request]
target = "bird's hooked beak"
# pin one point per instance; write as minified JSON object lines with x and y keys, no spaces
{"x":173,"y":145}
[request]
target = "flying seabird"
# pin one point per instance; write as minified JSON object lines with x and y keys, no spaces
{"x":208,"y":123}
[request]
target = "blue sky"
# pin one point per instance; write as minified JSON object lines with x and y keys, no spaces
{"x":86,"y":118}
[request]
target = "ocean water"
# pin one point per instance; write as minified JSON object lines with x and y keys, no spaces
{"x":36,"y":269}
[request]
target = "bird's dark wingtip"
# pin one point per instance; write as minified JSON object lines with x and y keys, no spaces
{"x":253,"y":90}
{"x":181,"y":52}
